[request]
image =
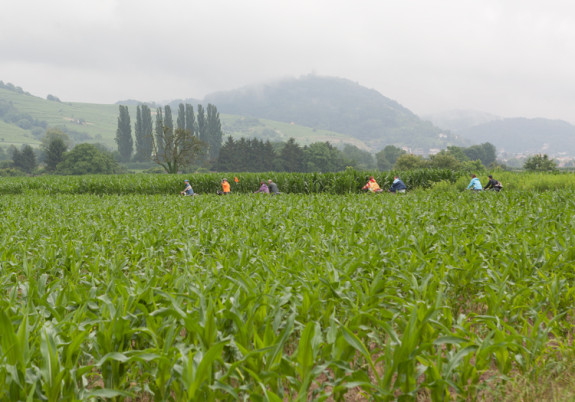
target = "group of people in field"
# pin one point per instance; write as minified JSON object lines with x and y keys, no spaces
{"x":269,"y":188}
{"x":492,"y":184}
{"x":398,"y":186}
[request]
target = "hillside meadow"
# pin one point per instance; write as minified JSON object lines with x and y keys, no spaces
{"x":437,"y":294}
{"x":88,"y":122}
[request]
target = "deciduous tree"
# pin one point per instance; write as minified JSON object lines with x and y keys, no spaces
{"x":324,"y":157}
{"x":409,"y":162}
{"x":180,"y":149}
{"x":387,"y":157}
{"x":540,"y":163}
{"x":444,"y":161}
{"x":88,"y":159}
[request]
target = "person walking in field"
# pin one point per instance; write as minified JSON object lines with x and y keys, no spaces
{"x":274,"y":190}
{"x":493,"y":184}
{"x":372,"y":186}
{"x":263,"y":188}
{"x":188,"y":190}
{"x":474,"y":184}
{"x":225,"y":187}
{"x":398,"y":186}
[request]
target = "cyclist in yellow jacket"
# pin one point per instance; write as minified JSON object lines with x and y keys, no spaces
{"x":372,"y":186}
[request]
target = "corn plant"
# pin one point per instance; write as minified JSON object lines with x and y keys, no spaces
{"x":137,"y":294}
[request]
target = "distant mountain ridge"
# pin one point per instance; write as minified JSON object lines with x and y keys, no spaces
{"x":334,"y":104}
{"x":309,"y":108}
{"x":512,"y":135}
{"x":521,"y":135}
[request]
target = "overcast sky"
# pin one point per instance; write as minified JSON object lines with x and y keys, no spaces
{"x":507,"y":57}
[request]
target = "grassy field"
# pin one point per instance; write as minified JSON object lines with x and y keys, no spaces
{"x":14,"y":135}
{"x":97,"y":122}
{"x":433,"y":295}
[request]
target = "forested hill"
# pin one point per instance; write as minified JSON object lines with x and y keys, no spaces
{"x":334,"y":104}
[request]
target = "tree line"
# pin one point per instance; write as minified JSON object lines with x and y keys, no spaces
{"x":54,"y":156}
{"x":255,"y":155}
{"x":194,"y":141}
{"x":453,"y":157}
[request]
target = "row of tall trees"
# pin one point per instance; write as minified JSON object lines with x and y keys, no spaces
{"x":455,"y":158}
{"x":194,"y":139}
{"x":255,"y":155}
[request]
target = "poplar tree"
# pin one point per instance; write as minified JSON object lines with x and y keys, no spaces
{"x":124,"y":135}
{"x":138,"y":134}
{"x":159,"y":140}
{"x":202,"y":125}
{"x":202,"y":132}
{"x":190,"y":119}
{"x":168,"y":128}
{"x":144,"y":130}
{"x":147,"y":128}
{"x":214,"y":130}
{"x":181,"y":120}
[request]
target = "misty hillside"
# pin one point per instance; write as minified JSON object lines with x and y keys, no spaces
{"x":456,"y":120}
{"x":24,"y":119}
{"x":512,"y":135}
{"x":334,"y":104}
{"x":521,"y":135}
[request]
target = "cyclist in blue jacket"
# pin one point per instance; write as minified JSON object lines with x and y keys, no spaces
{"x":474,"y":184}
{"x":398,"y":186}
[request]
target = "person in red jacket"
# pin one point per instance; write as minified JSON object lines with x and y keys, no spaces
{"x":372,"y":186}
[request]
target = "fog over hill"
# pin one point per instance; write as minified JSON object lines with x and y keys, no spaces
{"x":456,"y":120}
{"x":334,"y":104}
{"x":318,"y":104}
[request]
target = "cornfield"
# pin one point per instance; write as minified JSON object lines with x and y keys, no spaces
{"x":147,"y":296}
{"x":350,"y":181}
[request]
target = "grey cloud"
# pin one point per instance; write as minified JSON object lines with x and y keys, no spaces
{"x":508,"y":58}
